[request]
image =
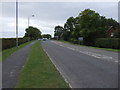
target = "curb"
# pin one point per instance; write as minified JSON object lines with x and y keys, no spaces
{"x":58,"y":69}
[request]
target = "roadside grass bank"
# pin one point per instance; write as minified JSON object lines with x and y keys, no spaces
{"x":108,"y":49}
{"x":39,"y":72}
{"x":8,"y":52}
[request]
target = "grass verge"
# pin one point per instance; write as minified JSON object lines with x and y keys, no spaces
{"x":108,"y":49}
{"x":8,"y":52}
{"x":39,"y":72}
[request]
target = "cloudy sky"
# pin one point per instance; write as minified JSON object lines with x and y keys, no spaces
{"x":48,"y":14}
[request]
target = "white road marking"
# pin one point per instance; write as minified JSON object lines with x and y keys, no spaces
{"x":16,"y":66}
{"x":11,"y":74}
{"x":71,"y":48}
{"x":96,"y":55}
{"x":116,"y":61}
{"x":61,"y":45}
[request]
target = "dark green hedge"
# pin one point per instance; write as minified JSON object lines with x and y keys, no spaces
{"x":75,"y":41}
{"x":11,"y":42}
{"x":108,"y":43}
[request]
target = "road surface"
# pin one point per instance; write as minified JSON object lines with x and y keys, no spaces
{"x":84,"y":67}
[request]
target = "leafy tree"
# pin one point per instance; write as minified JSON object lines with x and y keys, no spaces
{"x":111,"y":22}
{"x":58,"y":31}
{"x":92,"y":26}
{"x":89,"y":25}
{"x":33,"y":33}
{"x":48,"y":36}
{"x":69,"y":28}
{"x":70,"y":24}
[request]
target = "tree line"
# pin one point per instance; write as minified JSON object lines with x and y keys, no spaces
{"x":34,"y":33}
{"x":88,"y":24}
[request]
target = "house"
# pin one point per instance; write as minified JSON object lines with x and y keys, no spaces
{"x":111,"y":31}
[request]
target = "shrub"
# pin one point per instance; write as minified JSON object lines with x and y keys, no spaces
{"x":81,"y":42}
{"x":72,"y":40}
{"x":11,"y":42}
{"x":108,"y":43}
{"x":23,"y":40}
{"x":8,"y":43}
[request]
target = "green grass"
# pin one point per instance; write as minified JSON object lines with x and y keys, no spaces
{"x":108,"y":49}
{"x":39,"y":72}
{"x":8,"y":52}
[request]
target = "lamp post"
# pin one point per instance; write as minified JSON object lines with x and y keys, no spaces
{"x":16,"y":23}
{"x":29,"y":20}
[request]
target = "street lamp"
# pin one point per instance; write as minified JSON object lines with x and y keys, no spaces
{"x":29,"y":19}
{"x":16,"y":23}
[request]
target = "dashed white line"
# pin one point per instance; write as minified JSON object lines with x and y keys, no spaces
{"x":71,"y":48}
{"x":11,"y":74}
{"x":116,"y":61}
{"x":96,"y":55}
{"x":61,"y":45}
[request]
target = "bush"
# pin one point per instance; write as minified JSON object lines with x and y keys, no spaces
{"x":108,"y":43}
{"x":23,"y":40}
{"x":8,"y":43}
{"x":81,"y":42}
{"x":72,"y":40}
{"x":11,"y":42}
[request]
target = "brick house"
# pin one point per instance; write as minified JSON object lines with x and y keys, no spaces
{"x":111,"y":31}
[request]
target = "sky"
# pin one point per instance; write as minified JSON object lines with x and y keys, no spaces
{"x":48,"y":14}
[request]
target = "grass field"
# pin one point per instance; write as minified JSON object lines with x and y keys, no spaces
{"x":8,"y":52}
{"x":108,"y":49}
{"x":39,"y":72}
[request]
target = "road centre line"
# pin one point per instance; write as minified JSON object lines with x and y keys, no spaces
{"x":96,"y":55}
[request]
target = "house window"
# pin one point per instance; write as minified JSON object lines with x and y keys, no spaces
{"x":112,"y":34}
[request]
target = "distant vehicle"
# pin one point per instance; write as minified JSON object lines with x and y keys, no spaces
{"x":39,"y":39}
{"x":44,"y":39}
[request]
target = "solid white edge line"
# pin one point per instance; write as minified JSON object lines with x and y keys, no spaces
{"x":57,"y":68}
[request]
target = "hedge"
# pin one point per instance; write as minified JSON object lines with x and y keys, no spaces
{"x":75,"y":41}
{"x":108,"y":43}
{"x":11,"y":42}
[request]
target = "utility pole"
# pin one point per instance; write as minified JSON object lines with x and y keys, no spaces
{"x":16,"y":23}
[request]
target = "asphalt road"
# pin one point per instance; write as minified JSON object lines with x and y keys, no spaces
{"x":12,"y":66}
{"x":84,"y":67}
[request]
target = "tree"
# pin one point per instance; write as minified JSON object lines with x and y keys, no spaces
{"x":89,"y":25}
{"x":92,"y":26}
{"x":58,"y":31}
{"x":48,"y":36}
{"x":33,"y":33}
{"x":70,"y":24}
{"x":69,"y":29}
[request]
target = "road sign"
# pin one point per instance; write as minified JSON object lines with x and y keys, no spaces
{"x":80,"y":38}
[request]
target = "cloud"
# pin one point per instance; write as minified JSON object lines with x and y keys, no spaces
{"x":49,"y":14}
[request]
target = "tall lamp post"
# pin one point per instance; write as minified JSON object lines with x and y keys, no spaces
{"x":29,"y":20}
{"x":16,"y":23}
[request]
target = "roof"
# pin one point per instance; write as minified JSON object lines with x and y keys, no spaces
{"x":111,"y":27}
